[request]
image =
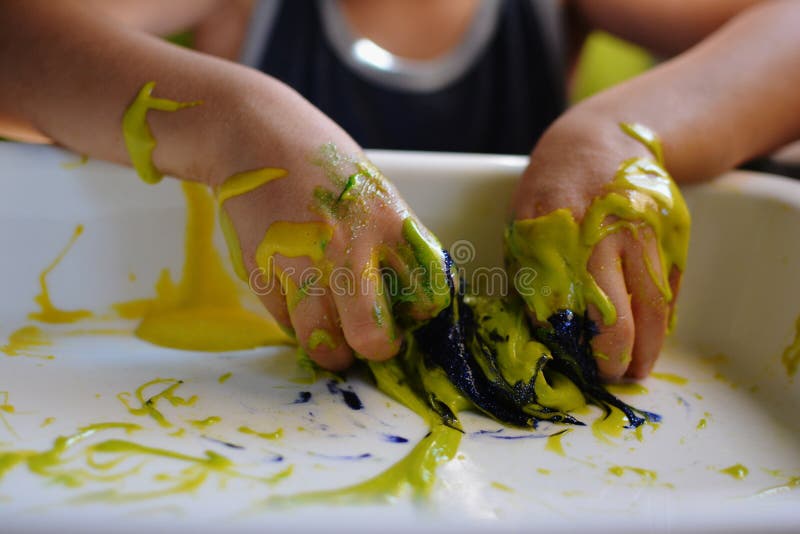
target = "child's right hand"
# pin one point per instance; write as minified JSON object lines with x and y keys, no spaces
{"x":313,"y":240}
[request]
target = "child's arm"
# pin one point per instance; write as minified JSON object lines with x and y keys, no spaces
{"x":664,"y":26}
{"x":734,"y":96}
{"x":71,"y":76}
{"x":157,"y":17}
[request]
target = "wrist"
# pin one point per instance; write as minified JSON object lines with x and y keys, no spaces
{"x":270,"y":125}
{"x":573,"y":162}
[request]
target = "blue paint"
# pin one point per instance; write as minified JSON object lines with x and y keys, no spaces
{"x":302,"y":397}
{"x":394,"y":439}
{"x":226,"y":443}
{"x":348,"y":396}
{"x":345,"y":457}
{"x":498,"y":434}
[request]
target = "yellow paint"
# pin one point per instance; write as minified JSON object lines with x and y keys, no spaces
{"x":27,"y":341}
{"x":737,"y":471}
{"x":639,"y":431}
{"x":80,"y":162}
{"x":610,"y":425}
{"x":6,"y":407}
{"x":554,"y":443}
{"x":543,"y":471}
{"x":133,"y":309}
{"x":178,"y":433}
{"x":272,"y":436}
{"x":102,"y":463}
{"x":139,"y":139}
{"x":47,"y":422}
{"x":293,"y":240}
{"x":236,"y":185}
{"x":224,"y":378}
{"x":791,"y":355}
{"x":203,"y":312}
{"x":627,"y":388}
{"x":558,"y":249}
{"x":49,"y":313}
{"x":79,"y":332}
{"x":502,"y":487}
{"x":205,"y":423}
{"x":148,"y":406}
{"x":701,"y":424}
{"x":672,"y":378}
{"x":416,"y":472}
{"x":645,"y":474}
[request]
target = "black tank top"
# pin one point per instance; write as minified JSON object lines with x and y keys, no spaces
{"x":500,"y":102}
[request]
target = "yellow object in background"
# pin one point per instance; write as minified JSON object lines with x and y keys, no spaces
{"x":606,"y":61}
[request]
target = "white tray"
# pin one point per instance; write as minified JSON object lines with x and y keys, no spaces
{"x":740,"y":298}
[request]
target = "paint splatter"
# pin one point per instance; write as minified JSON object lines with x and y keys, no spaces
{"x":302,"y":397}
{"x":391,"y":438}
{"x":348,"y":396}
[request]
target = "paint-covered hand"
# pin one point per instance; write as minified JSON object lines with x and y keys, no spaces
{"x":601,"y":228}
{"x":334,"y":253}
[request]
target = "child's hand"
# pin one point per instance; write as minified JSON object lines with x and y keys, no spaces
{"x":600,"y":226}
{"x":313,"y":241}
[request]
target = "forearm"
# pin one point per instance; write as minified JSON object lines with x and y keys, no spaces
{"x":72,"y":76}
{"x":664,"y":26}
{"x":732,"y":97}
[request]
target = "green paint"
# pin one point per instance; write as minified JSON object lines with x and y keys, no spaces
{"x":224,"y":378}
{"x":737,"y":471}
{"x":320,"y":337}
{"x":644,"y":474}
{"x":346,"y":193}
{"x":205,"y":423}
{"x":102,"y":462}
{"x":272,"y":436}
{"x":139,"y":139}
{"x":71,"y":165}
{"x":149,"y":406}
{"x":611,"y":425}
{"x":502,"y":487}
{"x":551,"y":252}
{"x":429,"y":260}
{"x":415,"y":473}
{"x":554,"y":443}
{"x":670,"y":377}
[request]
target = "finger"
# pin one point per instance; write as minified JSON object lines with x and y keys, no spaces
{"x":613,"y":346}
{"x":365,"y":312}
{"x":267,"y":288}
{"x":313,"y":314}
{"x":421,"y":287}
{"x":675,"y":277}
{"x":641,"y":263}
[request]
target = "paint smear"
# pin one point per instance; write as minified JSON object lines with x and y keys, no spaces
{"x":49,"y":312}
